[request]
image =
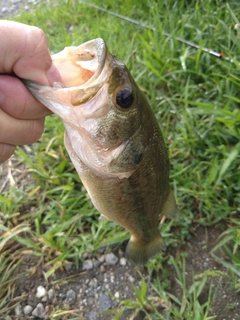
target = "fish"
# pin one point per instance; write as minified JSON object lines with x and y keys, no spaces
{"x":114,"y":141}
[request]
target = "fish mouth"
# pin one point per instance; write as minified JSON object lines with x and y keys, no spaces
{"x":83,"y":70}
{"x":81,"y":66}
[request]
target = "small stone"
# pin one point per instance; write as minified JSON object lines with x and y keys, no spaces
{"x":93,"y":283}
{"x":96,"y":263}
{"x":44,"y":299}
{"x":4,"y":9}
{"x":120,"y":252}
{"x":101,"y":258}
{"x":48,"y":310}
{"x":13,"y":8}
{"x":27,"y":309}
{"x":70,"y":297}
{"x":123,"y":261}
{"x":87,"y":264}
{"x":92,"y":315}
{"x":41,"y":292}
{"x":62,"y":295}
{"x":39,"y":311}
{"x":131,"y":279}
{"x":50,"y":294}
{"x":116,"y":294}
{"x":112,"y":278}
{"x":115,"y":304}
{"x":104,"y":302}
{"x":111,"y":259}
{"x":101,"y":250}
{"x":90,"y":301}
{"x":85,"y":255}
{"x":18,"y":310}
{"x":102,"y":269}
{"x":68,"y":266}
{"x":66,"y":306}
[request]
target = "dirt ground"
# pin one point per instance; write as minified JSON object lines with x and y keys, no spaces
{"x":87,"y":304}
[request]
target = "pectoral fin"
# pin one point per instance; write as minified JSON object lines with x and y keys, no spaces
{"x":170,"y":207}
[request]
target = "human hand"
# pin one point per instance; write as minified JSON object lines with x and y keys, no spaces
{"x":24,"y":54}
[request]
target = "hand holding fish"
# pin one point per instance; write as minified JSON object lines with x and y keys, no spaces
{"x":24,"y":54}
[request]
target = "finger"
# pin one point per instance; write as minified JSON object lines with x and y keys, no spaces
{"x":17,"y":101}
{"x":24,"y":51}
{"x":15,"y":132}
{"x":6,"y":150}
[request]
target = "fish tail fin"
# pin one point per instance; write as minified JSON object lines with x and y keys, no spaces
{"x":139,"y":254}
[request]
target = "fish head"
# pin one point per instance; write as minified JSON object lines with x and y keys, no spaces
{"x":100,"y":106}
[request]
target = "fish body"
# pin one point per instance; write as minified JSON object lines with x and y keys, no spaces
{"x":114,"y":142}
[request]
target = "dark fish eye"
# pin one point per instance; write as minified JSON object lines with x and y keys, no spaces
{"x":138,"y":158}
{"x":124,"y":98}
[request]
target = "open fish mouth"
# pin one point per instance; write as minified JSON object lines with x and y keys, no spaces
{"x":83,"y":69}
{"x":81,"y":65}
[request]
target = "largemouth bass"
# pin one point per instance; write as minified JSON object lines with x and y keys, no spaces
{"x":114,"y":142}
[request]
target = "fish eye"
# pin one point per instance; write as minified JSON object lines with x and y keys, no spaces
{"x":124,"y":98}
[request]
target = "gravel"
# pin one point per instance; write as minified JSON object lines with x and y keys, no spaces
{"x":96,"y":287}
{"x":9,"y":8}
{"x":105,"y":302}
{"x":111,"y":259}
{"x":39,"y":311}
{"x":87,"y":264}
{"x":101,"y":283}
{"x":27,"y":310}
{"x":41,"y":292}
{"x":70,"y":297}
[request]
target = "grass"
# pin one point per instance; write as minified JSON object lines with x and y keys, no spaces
{"x":168,"y":306}
{"x":195,"y":98}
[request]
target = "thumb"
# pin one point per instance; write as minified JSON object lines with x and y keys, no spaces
{"x":25,"y":52}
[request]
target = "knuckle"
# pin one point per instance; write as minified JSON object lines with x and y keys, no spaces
{"x":37,"y":36}
{"x":37,"y":45}
{"x":36,"y":131}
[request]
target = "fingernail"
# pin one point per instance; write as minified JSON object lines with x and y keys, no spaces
{"x":53,"y":75}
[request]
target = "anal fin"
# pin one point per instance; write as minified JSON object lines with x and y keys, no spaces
{"x":102,"y":217}
{"x":170,"y":208}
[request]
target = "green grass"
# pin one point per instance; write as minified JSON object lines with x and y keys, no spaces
{"x":195,"y":98}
